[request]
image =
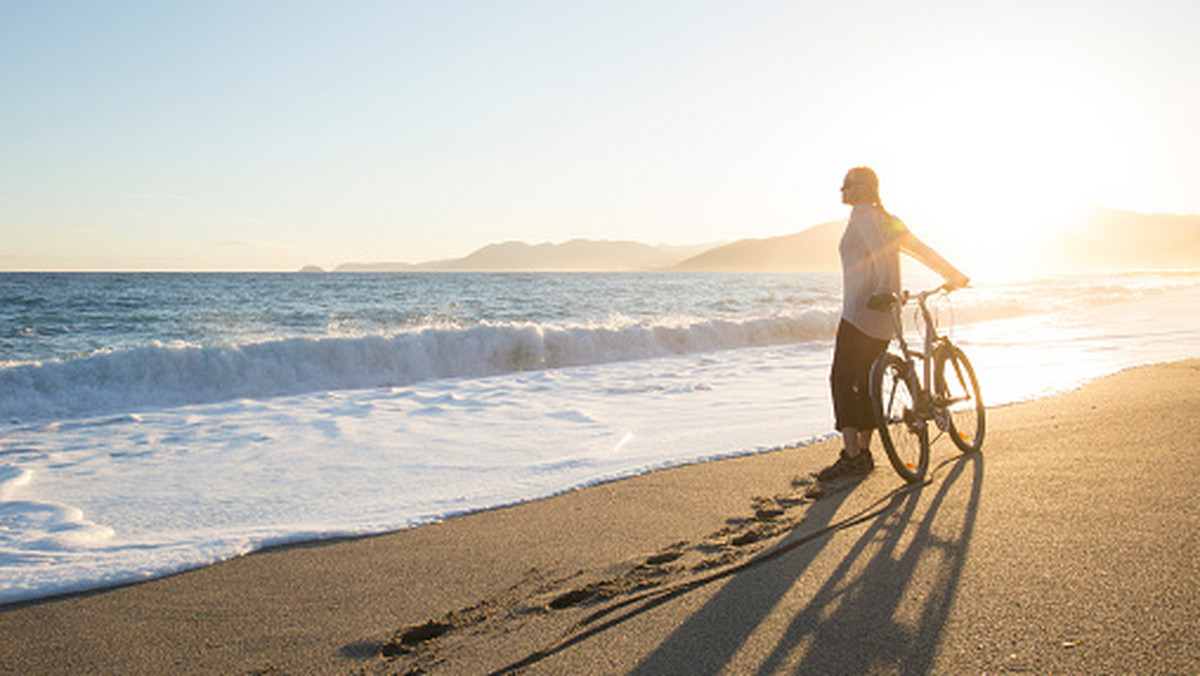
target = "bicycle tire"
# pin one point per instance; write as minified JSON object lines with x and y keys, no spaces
{"x":903,"y":431}
{"x":955,"y":382}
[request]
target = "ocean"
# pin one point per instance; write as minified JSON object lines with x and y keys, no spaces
{"x":155,"y":423}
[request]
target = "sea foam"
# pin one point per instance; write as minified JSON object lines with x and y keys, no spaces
{"x":180,"y":374}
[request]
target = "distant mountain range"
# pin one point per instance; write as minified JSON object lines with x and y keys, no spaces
{"x":1105,"y":239}
{"x":578,"y":255}
{"x":812,"y":250}
{"x":1108,"y":239}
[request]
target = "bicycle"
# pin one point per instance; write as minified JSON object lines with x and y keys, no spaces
{"x":904,"y":401}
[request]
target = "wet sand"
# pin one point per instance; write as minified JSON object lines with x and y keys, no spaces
{"x":1069,"y":546}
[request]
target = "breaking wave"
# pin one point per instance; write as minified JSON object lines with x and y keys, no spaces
{"x":161,"y":375}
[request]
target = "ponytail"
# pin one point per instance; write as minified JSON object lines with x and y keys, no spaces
{"x":879,"y":205}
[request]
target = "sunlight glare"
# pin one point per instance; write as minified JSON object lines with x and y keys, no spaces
{"x":986,"y":165}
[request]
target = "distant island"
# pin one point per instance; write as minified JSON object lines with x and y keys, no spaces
{"x":1105,"y":240}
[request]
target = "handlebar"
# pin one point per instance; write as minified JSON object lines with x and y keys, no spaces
{"x":883,"y":301}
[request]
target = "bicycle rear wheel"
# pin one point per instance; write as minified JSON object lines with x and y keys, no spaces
{"x":904,"y":433}
{"x":958,"y":393}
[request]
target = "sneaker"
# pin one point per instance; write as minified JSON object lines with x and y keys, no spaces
{"x":859,"y":465}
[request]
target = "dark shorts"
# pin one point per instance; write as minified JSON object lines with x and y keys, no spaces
{"x":849,"y":379}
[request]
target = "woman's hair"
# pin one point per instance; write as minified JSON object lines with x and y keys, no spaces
{"x":867,"y":177}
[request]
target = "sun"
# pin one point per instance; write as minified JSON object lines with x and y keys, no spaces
{"x":988,"y":164}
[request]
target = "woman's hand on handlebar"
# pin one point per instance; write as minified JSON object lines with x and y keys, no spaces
{"x":881,"y":301}
{"x":959,"y":281}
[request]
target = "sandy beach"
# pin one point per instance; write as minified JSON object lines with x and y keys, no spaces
{"x":1068,"y":546}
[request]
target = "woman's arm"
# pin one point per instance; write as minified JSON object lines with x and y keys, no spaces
{"x":930,"y":258}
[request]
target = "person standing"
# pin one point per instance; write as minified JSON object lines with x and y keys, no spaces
{"x":870,"y":251}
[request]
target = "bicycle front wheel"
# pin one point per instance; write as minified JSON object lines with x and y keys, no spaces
{"x":958,"y":394}
{"x":905,"y":434}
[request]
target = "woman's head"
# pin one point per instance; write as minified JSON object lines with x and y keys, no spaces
{"x":861,"y":186}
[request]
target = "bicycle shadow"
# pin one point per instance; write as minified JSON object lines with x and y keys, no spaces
{"x":864,"y":616}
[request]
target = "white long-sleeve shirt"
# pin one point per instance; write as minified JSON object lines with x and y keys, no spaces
{"x":870,"y":250}
{"x":870,"y":265}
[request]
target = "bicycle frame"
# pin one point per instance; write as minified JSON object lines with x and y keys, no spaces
{"x":931,"y":340}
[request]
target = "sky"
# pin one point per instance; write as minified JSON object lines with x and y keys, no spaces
{"x":272,"y":135}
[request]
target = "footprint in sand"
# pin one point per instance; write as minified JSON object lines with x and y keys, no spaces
{"x":741,"y":537}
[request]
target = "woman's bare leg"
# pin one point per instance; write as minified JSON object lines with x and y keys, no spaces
{"x":856,"y":440}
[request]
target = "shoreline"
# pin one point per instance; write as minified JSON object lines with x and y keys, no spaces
{"x":337,"y":605}
{"x":716,"y":457}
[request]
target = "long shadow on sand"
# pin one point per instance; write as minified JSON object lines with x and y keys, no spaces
{"x":884,"y":607}
{"x":810,"y":532}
